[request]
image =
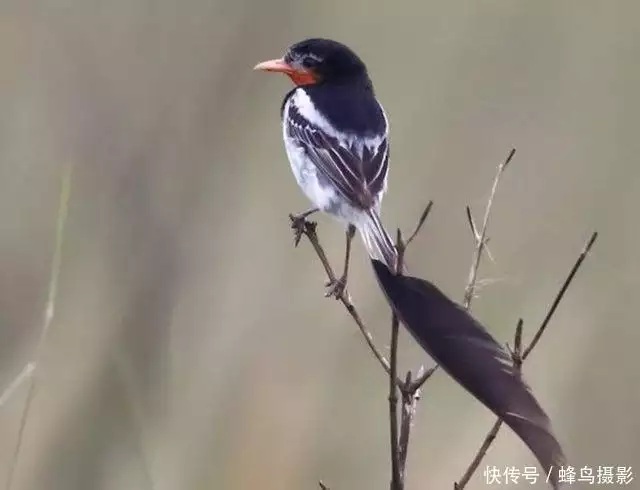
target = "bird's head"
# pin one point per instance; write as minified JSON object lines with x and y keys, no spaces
{"x":317,"y":60}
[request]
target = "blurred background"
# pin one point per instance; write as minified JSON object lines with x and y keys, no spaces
{"x":192,"y":347}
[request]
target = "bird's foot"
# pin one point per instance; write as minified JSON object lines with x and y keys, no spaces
{"x":336,"y":288}
{"x":300,"y":226}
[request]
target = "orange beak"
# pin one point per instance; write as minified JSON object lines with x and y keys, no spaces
{"x":298,"y":76}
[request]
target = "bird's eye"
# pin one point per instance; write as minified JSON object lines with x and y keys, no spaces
{"x":310,"y":61}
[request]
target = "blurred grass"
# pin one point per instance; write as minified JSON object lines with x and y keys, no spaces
{"x":47,"y":317}
{"x":181,"y":302}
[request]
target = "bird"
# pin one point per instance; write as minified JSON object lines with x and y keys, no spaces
{"x":336,"y":136}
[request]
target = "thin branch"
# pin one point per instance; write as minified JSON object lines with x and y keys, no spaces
{"x":559,"y":296}
{"x":411,"y":388}
{"x":397,"y":481}
{"x":488,"y":440}
{"x":405,"y":425}
{"x":481,"y":242}
{"x":398,"y":442}
{"x":410,"y":400}
{"x":323,"y":486}
{"x":421,"y":220}
{"x":480,"y":239}
{"x":422,"y":379}
{"x":308,"y":229}
{"x":472,"y":224}
{"x":493,"y":432}
{"x":476,"y":233}
{"x":56,"y":262}
{"x":518,"y":356}
{"x":410,"y":393}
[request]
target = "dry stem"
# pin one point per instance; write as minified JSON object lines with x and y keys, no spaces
{"x":480,"y":238}
{"x":26,"y":372}
{"x":47,"y":317}
{"x":309,"y":230}
{"x":410,"y":395}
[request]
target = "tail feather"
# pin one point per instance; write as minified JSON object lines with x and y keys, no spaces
{"x":472,"y":357}
{"x":377,"y":241}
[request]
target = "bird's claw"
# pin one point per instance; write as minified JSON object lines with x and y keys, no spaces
{"x":336,"y":288}
{"x":300,"y":226}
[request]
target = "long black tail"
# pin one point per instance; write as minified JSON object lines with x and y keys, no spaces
{"x":472,"y":357}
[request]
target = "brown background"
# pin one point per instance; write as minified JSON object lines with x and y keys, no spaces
{"x":192,"y":347}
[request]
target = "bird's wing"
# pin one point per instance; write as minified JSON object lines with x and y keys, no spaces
{"x":357,"y":168}
{"x":474,"y":359}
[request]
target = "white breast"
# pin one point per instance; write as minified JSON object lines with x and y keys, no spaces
{"x":306,"y":173}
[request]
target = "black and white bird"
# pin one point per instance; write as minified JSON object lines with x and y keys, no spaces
{"x":336,"y":135}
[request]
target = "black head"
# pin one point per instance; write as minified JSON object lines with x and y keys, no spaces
{"x":319,"y":61}
{"x":328,"y":60}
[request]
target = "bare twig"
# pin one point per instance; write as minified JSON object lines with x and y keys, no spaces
{"x":398,"y":441}
{"x":398,"y":449}
{"x":486,"y":444}
{"x":421,"y":220}
{"x":472,"y":224}
{"x":47,"y":317}
{"x":396,"y":479}
{"x":493,"y":432}
{"x":309,"y":230}
{"x":411,"y":388}
{"x":481,"y":237}
{"x":410,"y":393}
{"x":559,"y":296}
{"x":480,"y":240}
{"x":405,"y":425}
{"x":422,"y":379}
{"x":476,"y":233}
{"x":518,"y":356}
{"x":410,"y":400}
